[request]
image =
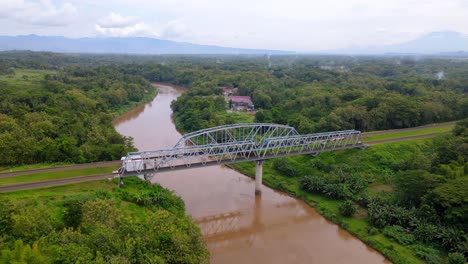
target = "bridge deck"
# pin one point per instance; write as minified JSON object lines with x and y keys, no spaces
{"x":236,"y":143}
{"x":237,"y":160}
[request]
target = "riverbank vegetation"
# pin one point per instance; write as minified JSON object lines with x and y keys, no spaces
{"x":98,"y":223}
{"x":65,"y":116}
{"x":406,"y":199}
{"x":201,"y":108}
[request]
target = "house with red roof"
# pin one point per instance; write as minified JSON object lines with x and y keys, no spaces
{"x":238,"y":102}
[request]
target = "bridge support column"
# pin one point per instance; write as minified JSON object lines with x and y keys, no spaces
{"x":258,"y":176}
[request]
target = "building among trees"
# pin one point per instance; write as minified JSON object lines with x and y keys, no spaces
{"x":238,"y":102}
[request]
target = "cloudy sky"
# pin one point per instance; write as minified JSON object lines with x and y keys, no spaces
{"x":302,"y":25}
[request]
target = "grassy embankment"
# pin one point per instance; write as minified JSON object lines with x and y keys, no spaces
{"x":373,"y":163}
{"x":54,"y":175}
{"x":33,"y":166}
{"x":394,"y":134}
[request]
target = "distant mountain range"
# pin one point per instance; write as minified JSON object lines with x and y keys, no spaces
{"x":442,"y":43}
{"x":447,"y":43}
{"x":114,"y":45}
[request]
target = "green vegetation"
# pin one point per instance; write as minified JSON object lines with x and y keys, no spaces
{"x":32,"y":166}
{"x":408,"y":133}
{"x":408,"y":200}
{"x":198,"y":108}
{"x":416,"y":186}
{"x":65,"y":115}
{"x":53,"y":175}
{"x":316,"y":94}
{"x":347,"y":208}
{"x":138,"y":223}
{"x":422,"y":214}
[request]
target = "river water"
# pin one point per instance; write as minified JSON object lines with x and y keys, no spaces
{"x":238,"y":226}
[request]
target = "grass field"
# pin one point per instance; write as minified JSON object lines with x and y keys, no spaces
{"x":63,"y":190}
{"x":32,"y":166}
{"x":239,"y":117}
{"x":392,"y":134}
{"x":25,"y":78}
{"x":44,"y":176}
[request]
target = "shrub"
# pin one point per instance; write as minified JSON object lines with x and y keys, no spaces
{"x":284,"y":166}
{"x":22,"y":253}
{"x":426,"y":232}
{"x":372,"y":231}
{"x":312,"y":184}
{"x":451,"y":238}
{"x":33,"y":222}
{"x":399,"y":234}
{"x":73,"y":211}
{"x":456,"y":258}
{"x":378,"y":215}
{"x":103,"y":194}
{"x":5,"y":216}
{"x":428,"y":254}
{"x":347,"y":208}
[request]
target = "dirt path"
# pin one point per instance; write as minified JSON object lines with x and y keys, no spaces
{"x":33,"y":185}
{"x":376,"y":142}
{"x":62,"y":168}
{"x":366,"y":134}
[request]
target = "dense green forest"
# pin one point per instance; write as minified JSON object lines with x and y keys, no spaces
{"x":318,"y":95}
{"x":136,"y":223}
{"x":311,"y":93}
{"x":408,"y":200}
{"x":65,"y":115}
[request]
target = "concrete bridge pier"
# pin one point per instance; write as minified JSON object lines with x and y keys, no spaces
{"x":258,"y":176}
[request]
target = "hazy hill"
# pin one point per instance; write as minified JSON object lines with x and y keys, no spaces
{"x":117,"y":45}
{"x":440,"y":43}
{"x":446,"y":42}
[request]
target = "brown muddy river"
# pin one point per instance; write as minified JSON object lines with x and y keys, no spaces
{"x":238,"y":226}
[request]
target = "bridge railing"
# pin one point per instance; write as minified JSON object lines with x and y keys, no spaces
{"x":238,"y":151}
{"x":237,"y":132}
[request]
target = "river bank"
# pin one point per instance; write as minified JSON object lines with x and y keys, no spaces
{"x":329,"y":208}
{"x":237,"y":225}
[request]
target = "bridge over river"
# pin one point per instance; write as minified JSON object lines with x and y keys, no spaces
{"x":236,"y":143}
{"x":238,"y":226}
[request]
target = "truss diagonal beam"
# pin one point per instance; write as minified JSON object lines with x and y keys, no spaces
{"x":237,"y":143}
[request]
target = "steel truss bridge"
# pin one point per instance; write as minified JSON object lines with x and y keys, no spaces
{"x":235,"y":143}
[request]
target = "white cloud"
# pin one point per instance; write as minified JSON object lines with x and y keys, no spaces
{"x":176,"y":30}
{"x":43,"y":13}
{"x":114,"y":20}
{"x":117,"y":25}
{"x":136,"y":30}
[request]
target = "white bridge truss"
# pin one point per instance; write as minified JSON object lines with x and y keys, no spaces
{"x":233,"y":144}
